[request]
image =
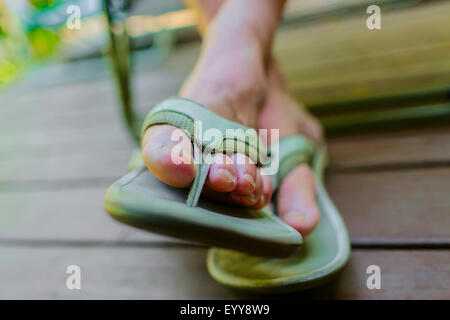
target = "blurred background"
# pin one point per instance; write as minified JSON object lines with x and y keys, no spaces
{"x":333,"y":64}
{"x":76,"y":76}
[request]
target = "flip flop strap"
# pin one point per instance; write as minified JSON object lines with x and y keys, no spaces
{"x":199,"y":180}
{"x":292,"y":151}
{"x":210,"y":133}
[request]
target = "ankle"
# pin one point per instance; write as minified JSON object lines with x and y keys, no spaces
{"x":254,"y":20}
{"x":233,"y":96}
{"x":230,"y":80}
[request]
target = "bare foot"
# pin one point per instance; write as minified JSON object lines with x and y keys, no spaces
{"x":230,"y":79}
{"x":296,"y":195}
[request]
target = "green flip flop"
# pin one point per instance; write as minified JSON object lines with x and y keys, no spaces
{"x":141,"y":200}
{"x":323,"y":254}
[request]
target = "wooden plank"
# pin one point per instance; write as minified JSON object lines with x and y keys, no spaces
{"x":116,"y":273}
{"x":404,"y":275}
{"x":66,"y":215}
{"x":357,"y":63}
{"x":107,"y":273}
{"x":62,"y":106}
{"x":73,"y":130}
{"x":108,"y":162}
{"x":302,"y":9}
{"x":388,"y":148}
{"x":394,"y":206}
{"x":51,"y":93}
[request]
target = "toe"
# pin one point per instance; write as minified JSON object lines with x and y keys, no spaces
{"x":245,"y":201}
{"x":167,"y":152}
{"x":246,"y":175}
{"x":263,"y":191}
{"x":222,"y":174}
{"x":297,"y":200}
{"x":266,"y":193}
{"x":253,"y":199}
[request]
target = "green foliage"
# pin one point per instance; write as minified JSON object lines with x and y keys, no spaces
{"x":42,"y":4}
{"x":8,"y":71}
{"x":43,"y":43}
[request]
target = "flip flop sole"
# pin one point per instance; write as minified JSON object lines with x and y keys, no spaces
{"x":139,"y":199}
{"x":323,"y":254}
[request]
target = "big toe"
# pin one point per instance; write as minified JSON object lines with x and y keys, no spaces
{"x":297,"y":200}
{"x":168,"y":153}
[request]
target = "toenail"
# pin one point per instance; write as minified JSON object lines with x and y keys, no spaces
{"x":250,"y":180}
{"x":297,"y":217}
{"x":226,"y":175}
{"x":252,"y":199}
{"x":249,"y":200}
{"x":262,"y":202}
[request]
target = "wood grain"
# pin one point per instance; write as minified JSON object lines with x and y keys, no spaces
{"x":401,"y":148}
{"x":65,"y":215}
{"x":404,"y":275}
{"x":181,"y":274}
{"x":356,"y":63}
{"x":394,"y":205}
{"x":62,"y":144}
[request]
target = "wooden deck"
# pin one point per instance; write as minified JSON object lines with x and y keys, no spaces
{"x":62,"y":144}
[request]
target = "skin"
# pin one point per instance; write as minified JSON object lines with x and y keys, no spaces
{"x":236,"y":77}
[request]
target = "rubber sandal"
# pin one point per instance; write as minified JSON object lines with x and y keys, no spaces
{"x":323,"y":254}
{"x":141,"y":200}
